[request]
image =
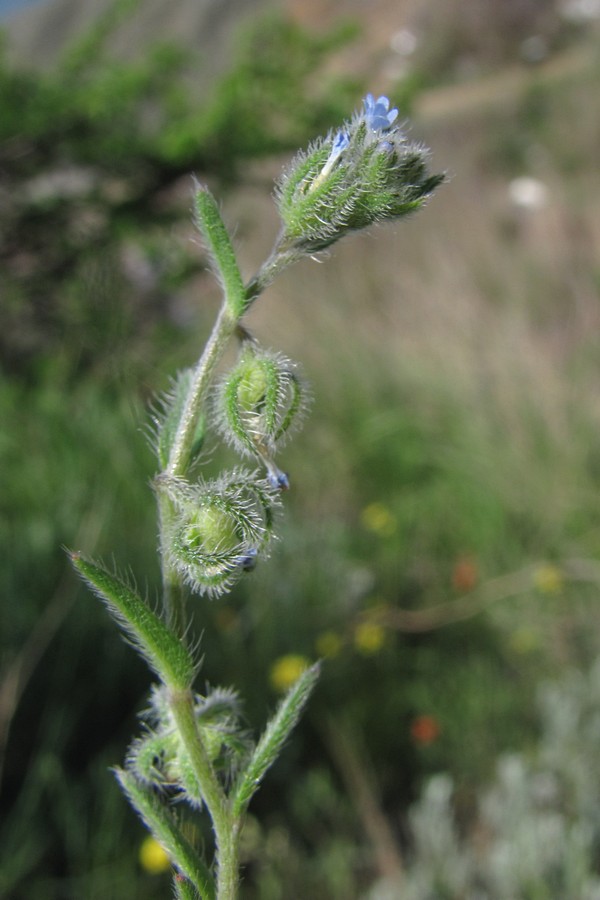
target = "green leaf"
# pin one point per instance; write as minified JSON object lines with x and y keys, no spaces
{"x":163,"y":650}
{"x":210,"y":224}
{"x":275,"y":735}
{"x":183,"y":889}
{"x":157,"y":817}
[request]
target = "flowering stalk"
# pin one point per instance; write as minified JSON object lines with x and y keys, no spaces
{"x":211,"y":532}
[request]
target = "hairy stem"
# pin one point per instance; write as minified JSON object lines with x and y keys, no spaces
{"x":237,"y":299}
{"x":280,"y":258}
{"x":180,"y":452}
{"x":179,"y":459}
{"x":225,"y":827}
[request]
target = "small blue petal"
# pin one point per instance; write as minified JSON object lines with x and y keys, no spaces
{"x":378,"y":115}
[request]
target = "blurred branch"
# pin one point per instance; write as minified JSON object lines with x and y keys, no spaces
{"x":478,"y":600}
{"x":353,"y":765}
{"x":449,"y":102}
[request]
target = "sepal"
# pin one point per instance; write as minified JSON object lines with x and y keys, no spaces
{"x":159,"y":758}
{"x":363,"y":173}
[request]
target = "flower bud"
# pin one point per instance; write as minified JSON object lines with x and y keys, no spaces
{"x":159,"y":757}
{"x":364,"y":172}
{"x":257,"y":404}
{"x":218,"y":527}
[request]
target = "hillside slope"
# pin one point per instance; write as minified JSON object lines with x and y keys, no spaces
{"x":37,"y":35}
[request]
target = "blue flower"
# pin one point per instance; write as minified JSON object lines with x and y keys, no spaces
{"x":378,"y":115}
{"x":361,"y":173}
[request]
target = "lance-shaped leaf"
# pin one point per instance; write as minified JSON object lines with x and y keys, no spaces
{"x":167,"y":655}
{"x":216,"y":238}
{"x":275,"y":735}
{"x":158,"y":818}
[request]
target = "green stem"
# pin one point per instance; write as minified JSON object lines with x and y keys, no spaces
{"x":280,"y":258}
{"x":179,"y":458}
{"x":180,"y":452}
{"x":225,"y":826}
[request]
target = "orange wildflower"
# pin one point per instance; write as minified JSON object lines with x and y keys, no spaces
{"x":425,"y":730}
{"x":465,"y":574}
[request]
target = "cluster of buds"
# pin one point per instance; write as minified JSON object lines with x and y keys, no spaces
{"x":159,"y":758}
{"x":360,"y":174}
{"x":220,"y":528}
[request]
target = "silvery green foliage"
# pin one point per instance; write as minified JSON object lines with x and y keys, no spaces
{"x":537,"y":830}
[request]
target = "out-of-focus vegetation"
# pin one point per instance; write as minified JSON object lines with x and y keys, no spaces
{"x":90,"y":155}
{"x":439,"y":539}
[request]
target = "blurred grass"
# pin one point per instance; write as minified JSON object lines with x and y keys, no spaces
{"x":454,"y":362}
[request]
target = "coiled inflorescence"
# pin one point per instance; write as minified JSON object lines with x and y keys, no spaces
{"x":359,"y":174}
{"x":159,"y":757}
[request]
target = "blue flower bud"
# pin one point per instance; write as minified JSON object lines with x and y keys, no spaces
{"x":278,"y":480}
{"x":341,"y":142}
{"x":248,"y":561}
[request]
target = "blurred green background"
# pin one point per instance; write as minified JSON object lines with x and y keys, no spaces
{"x":440,"y":545}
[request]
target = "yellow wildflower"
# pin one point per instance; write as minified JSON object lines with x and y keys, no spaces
{"x":286,"y":670}
{"x":369,"y":638}
{"x":153,"y":858}
{"x":379,"y":519}
{"x":548,"y":579}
